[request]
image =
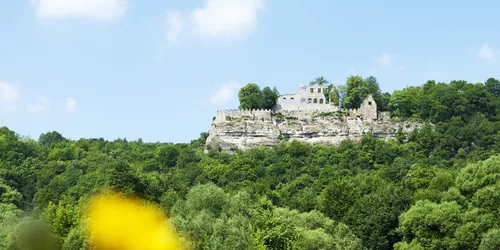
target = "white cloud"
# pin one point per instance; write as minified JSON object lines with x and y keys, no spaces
{"x":230,"y":19}
{"x":486,"y":53}
{"x":42,"y":105}
{"x":100,"y":10}
{"x":70,"y":104}
{"x":8,"y":92}
{"x":175,"y":25}
{"x":226,"y":93}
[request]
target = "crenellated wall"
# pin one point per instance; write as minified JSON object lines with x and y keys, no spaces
{"x":222,"y":115}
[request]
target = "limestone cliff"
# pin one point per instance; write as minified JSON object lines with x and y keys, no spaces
{"x":243,"y":129}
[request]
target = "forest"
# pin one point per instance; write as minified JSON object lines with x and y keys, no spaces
{"x":435,"y":188}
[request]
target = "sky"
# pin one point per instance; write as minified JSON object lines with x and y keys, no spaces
{"x":159,"y":70}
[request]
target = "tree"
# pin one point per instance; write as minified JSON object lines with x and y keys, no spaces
{"x":357,"y":89}
{"x":319,"y":80}
{"x":250,"y":97}
{"x":332,"y":95}
{"x":269,"y":97}
{"x":374,"y":217}
{"x":404,"y":103}
{"x":383,"y":101}
{"x":493,"y":86}
{"x":336,"y":199}
{"x":50,"y":138}
{"x":491,"y":240}
{"x":342,"y":95}
{"x":431,"y":225}
{"x":167,"y":157}
{"x":355,"y":92}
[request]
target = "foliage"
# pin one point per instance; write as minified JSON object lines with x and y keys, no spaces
{"x":251,"y":97}
{"x":269,"y":98}
{"x":357,"y":89}
{"x":435,"y":188}
{"x":331,"y":94}
{"x":320,"y":80}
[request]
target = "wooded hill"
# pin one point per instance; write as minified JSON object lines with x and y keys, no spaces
{"x":436,"y":188}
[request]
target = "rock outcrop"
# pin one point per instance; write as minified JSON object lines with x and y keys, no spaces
{"x":243,"y":129}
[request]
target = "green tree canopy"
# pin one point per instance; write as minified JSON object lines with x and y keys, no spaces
{"x":332,"y":95}
{"x":357,"y":89}
{"x":269,"y":97}
{"x":320,"y":81}
{"x":251,"y":97}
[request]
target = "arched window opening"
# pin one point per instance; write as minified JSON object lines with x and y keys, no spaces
{"x":292,"y":100}
{"x":315,"y":100}
{"x":311,"y":90}
{"x":326,"y":101}
{"x":283,"y":101}
{"x":303,"y":101}
{"x":321,"y":101}
{"x":309,"y":101}
{"x":319,"y":90}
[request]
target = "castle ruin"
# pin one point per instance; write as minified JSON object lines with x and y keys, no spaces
{"x":305,"y":116}
{"x":311,"y":99}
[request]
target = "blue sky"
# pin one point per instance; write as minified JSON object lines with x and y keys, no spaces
{"x":159,"y":70}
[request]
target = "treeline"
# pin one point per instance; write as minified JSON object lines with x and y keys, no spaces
{"x":433,"y":102}
{"x":435,"y":188}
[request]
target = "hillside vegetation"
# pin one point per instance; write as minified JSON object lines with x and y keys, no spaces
{"x":436,"y":188}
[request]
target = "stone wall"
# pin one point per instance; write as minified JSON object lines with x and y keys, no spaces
{"x":225,"y":115}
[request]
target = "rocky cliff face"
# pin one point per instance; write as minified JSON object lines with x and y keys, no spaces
{"x":230,"y":133}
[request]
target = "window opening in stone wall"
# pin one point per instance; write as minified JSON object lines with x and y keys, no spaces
{"x":283,"y":101}
{"x":321,"y":101}
{"x":319,"y":90}
{"x":315,"y":100}
{"x":326,"y":101}
{"x":292,"y":100}
{"x":311,"y":90}
{"x":369,"y":103}
{"x":303,"y":101}
{"x":309,"y":101}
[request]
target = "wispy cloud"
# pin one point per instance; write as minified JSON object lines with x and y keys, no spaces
{"x":9,"y":95}
{"x":175,"y":25}
{"x":70,"y":104}
{"x":100,"y":10}
{"x":225,"y":93}
{"x":486,"y":53}
{"x":42,"y":105}
{"x":8,"y":92}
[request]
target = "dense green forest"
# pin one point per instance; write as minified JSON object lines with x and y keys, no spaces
{"x":435,"y":188}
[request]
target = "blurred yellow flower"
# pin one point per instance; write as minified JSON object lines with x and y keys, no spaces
{"x":119,"y":222}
